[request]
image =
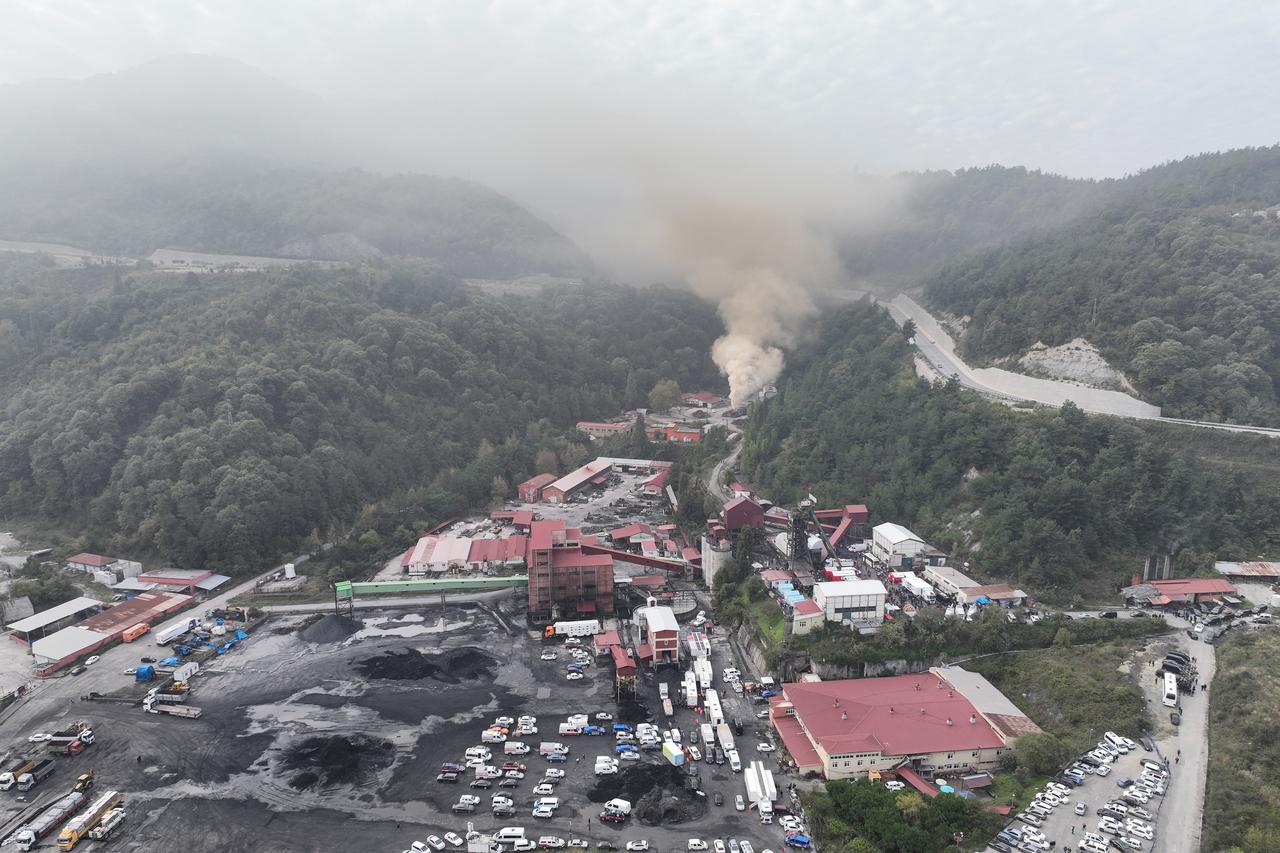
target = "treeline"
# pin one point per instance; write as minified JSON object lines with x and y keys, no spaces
{"x":1053,"y":499}
{"x":1174,"y":279}
{"x":221,"y":420}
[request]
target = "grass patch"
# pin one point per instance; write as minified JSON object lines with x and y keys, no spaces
{"x":1242,"y":800}
{"x":1076,"y":692}
{"x":767,"y":617}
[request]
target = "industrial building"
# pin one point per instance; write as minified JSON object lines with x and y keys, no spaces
{"x":47,"y":622}
{"x":1256,"y":570}
{"x":563,"y":579}
{"x":661,"y":634}
{"x":1178,"y":591}
{"x":702,"y":399}
{"x":530,"y":491}
{"x":186,"y":581}
{"x":946,"y":720}
{"x":805,"y":616}
{"x":860,"y":603}
{"x":996,"y":593}
{"x":889,"y":540}
{"x":742,"y":512}
{"x":715,"y":555}
{"x":595,"y":471}
{"x":60,"y":648}
{"x":947,"y":581}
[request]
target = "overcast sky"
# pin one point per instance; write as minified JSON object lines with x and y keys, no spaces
{"x":1084,"y":88}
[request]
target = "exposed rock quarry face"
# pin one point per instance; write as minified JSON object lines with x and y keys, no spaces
{"x":1075,"y":361}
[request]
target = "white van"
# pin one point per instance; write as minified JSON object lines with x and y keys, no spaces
{"x":479,"y":752}
{"x":509,"y":834}
{"x":552,"y":748}
{"x":735,"y":763}
{"x":618,"y":806}
{"x":515,"y":747}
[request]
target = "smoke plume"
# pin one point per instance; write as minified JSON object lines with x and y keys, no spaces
{"x":760,"y":267}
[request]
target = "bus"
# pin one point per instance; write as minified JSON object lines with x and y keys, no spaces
{"x":1170,"y":690}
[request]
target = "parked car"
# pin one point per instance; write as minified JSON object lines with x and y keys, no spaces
{"x":895,"y":785}
{"x":697,"y":844}
{"x":739,"y":803}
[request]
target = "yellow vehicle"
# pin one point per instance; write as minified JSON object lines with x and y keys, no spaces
{"x":77,"y":829}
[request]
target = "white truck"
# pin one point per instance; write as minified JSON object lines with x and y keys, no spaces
{"x":711,"y":707}
{"x":107,"y":827}
{"x":761,"y":789}
{"x":708,"y":736}
{"x":725,"y":735}
{"x":47,"y":821}
{"x":190,"y":712}
{"x":165,"y":636}
{"x":581,"y":628}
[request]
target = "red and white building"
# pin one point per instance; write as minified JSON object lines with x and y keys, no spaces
{"x":946,"y":720}
{"x":563,"y":580}
{"x":742,"y":512}
{"x":661,"y":634}
{"x":595,"y":471}
{"x":702,"y":399}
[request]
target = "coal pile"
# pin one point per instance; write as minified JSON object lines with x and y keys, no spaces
{"x":336,"y":760}
{"x":449,"y":667}
{"x":659,"y":793}
{"x":330,"y":629}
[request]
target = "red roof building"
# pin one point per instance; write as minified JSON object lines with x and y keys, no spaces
{"x":625,"y":534}
{"x":655,"y":484}
{"x":562,"y":577}
{"x":623,"y":663}
{"x":703,"y":399}
{"x":846,"y":729}
{"x":530,"y":491}
{"x":563,"y":488}
{"x":85,"y":562}
{"x":679,"y":434}
{"x":1191,"y":590}
{"x":603,"y":429}
{"x":742,"y":512}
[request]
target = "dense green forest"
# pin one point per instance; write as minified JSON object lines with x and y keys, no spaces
{"x":232,"y":206}
{"x":1053,"y":499}
{"x":221,"y":420}
{"x":1175,"y":279}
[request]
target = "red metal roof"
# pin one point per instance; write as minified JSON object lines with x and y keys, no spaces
{"x":658,"y":480}
{"x":845,"y":716}
{"x":87,"y":559}
{"x":637,"y":559}
{"x":797,"y":743}
{"x":702,"y":396}
{"x":497,"y":550}
{"x":917,"y":781}
{"x":607,"y":639}
{"x":622,"y":661}
{"x":538,"y":481}
{"x":575,"y":558}
{"x":775,"y":575}
{"x":630,"y":530}
{"x":649,"y":580}
{"x":807,"y":607}
{"x":690,"y":553}
{"x":1193,"y":586}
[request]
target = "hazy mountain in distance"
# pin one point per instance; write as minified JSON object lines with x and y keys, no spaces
{"x":209,"y":154}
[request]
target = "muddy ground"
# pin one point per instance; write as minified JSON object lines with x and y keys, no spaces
{"x":327,"y":734}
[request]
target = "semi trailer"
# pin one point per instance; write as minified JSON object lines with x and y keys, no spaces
{"x":48,"y":820}
{"x":81,"y":825}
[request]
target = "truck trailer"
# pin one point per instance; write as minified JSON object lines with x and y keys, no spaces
{"x":191,"y":712}
{"x":80,"y":825}
{"x":47,"y":821}
{"x":14,"y":770}
{"x":43,"y":769}
{"x":725,"y":735}
{"x":165,"y":636}
{"x":580,"y":628}
{"x":78,"y":730}
{"x":107,"y":827}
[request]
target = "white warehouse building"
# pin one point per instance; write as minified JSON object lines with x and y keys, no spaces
{"x":859,"y":603}
{"x":889,"y":540}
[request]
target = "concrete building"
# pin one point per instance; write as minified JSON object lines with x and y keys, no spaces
{"x":89,"y":563}
{"x":661,"y":634}
{"x":889,"y":540}
{"x":530,"y":491}
{"x":603,"y":429}
{"x":1179,"y":591}
{"x":942,"y":721}
{"x":716,"y":554}
{"x":947,"y":581}
{"x":742,"y":512}
{"x":563,"y":580}
{"x":859,"y":603}
{"x":186,"y":581}
{"x":805,"y":616}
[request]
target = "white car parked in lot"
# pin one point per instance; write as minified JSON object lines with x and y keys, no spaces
{"x":895,"y":785}
{"x":697,"y":844}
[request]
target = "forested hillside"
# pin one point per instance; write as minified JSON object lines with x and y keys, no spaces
{"x":1175,"y":280}
{"x":219,"y":420}
{"x":1056,"y":500}
{"x":936,"y":217}
{"x":231,"y":206}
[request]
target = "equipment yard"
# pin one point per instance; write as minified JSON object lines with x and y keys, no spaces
{"x":326,"y":732}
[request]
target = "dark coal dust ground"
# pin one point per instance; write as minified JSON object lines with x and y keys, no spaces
{"x":451,"y":667}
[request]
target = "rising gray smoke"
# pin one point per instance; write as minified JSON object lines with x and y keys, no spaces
{"x":760,"y":268}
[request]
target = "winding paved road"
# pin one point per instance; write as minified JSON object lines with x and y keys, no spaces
{"x":939,"y":350}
